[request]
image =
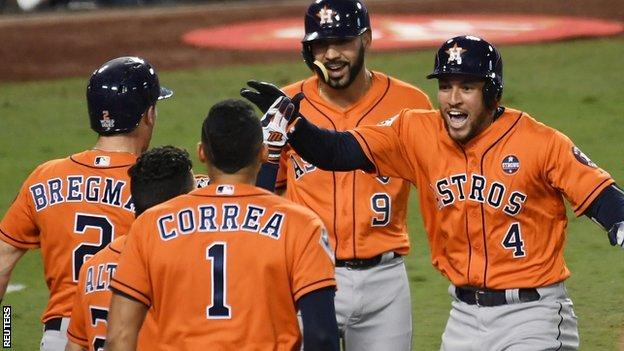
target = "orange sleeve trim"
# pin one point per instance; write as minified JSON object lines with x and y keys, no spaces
{"x":314,"y":286}
{"x":18,"y":243}
{"x":126,"y":289}
{"x":580,"y":209}
{"x":78,"y":340}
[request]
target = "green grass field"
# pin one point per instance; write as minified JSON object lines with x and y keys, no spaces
{"x":572,"y":86}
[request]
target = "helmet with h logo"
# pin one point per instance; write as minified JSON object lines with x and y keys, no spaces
{"x":333,"y":19}
{"x":472,"y":56}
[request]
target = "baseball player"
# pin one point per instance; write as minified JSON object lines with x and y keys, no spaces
{"x":365,"y":216}
{"x":158,"y":175}
{"x":491,"y":184}
{"x":71,"y":208}
{"x":227,"y":265}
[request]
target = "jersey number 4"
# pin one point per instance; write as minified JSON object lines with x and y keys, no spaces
{"x":217,"y":255}
{"x":86,"y":250}
{"x":513,"y":240}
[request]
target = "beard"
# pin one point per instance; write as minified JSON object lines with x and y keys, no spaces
{"x":354,"y":70}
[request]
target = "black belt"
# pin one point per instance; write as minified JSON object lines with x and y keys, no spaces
{"x":490,"y":298}
{"x":53,"y":324}
{"x":363,"y":263}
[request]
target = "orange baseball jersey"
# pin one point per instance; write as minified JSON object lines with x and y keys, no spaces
{"x":493,"y":209}
{"x":89,"y":316}
{"x":365,"y":216}
{"x":223,"y":266}
{"x":70,"y":208}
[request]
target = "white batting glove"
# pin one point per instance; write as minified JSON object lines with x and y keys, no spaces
{"x":616,"y":234}
{"x":274,"y":124}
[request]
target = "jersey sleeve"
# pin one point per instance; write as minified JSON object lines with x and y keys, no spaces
{"x":282,"y":171}
{"x":570,"y":171}
{"x":312,"y":259}
{"x":18,"y":227}
{"x":383,"y":146}
{"x":76,"y":331}
{"x":131,"y":277}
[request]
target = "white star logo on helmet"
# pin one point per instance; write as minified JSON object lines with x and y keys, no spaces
{"x":455,"y":54}
{"x":326,"y":15}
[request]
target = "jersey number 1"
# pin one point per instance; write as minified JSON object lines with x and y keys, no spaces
{"x":217,"y":254}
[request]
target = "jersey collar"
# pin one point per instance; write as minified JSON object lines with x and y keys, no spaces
{"x":378,"y":88}
{"x":494,"y":132}
{"x":229,"y":190}
{"x":104,"y":159}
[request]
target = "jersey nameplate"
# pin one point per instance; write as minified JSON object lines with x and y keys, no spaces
{"x":75,"y":188}
{"x":98,"y":278}
{"x":224,"y":218}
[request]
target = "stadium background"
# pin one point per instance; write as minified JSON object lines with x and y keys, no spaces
{"x":46,"y":57}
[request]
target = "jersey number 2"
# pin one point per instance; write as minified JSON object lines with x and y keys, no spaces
{"x":217,"y":254}
{"x":513,"y":240}
{"x":84,"y":221}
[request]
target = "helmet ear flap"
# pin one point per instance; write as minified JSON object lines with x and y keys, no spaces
{"x":308,"y":57}
{"x":491,"y":93}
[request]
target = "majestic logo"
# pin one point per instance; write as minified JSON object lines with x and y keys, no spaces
{"x":106,"y":121}
{"x":225,"y":190}
{"x":455,"y":54}
{"x":326,"y":15}
{"x":510,"y":164}
{"x":388,"y":122}
{"x":102,"y":161}
{"x":582,"y":158}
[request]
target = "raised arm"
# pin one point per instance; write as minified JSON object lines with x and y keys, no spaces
{"x":326,"y":149}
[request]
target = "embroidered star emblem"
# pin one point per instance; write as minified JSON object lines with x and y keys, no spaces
{"x":326,"y":15}
{"x":455,"y":54}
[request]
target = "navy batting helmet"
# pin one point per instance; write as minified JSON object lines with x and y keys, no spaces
{"x":472,"y":56}
{"x":119,"y":92}
{"x":333,"y":19}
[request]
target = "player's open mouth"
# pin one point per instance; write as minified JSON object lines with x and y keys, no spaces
{"x":336,"y":69}
{"x":456,"y":119}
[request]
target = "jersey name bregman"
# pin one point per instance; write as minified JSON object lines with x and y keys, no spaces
{"x":75,"y":188}
{"x":209,"y":218}
{"x":495,"y":194}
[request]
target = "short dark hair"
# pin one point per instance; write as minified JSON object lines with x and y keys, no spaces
{"x":231,"y":135}
{"x":158,"y":175}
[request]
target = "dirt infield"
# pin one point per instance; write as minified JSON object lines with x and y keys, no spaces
{"x":66,"y":44}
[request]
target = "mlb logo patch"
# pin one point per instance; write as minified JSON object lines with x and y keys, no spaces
{"x":510,"y":164}
{"x":225,"y":190}
{"x":102,"y":161}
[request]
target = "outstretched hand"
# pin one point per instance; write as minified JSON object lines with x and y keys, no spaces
{"x":275,"y":123}
{"x":264,"y":94}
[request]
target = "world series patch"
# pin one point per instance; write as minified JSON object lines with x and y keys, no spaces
{"x":510,"y":164}
{"x":582,"y":158}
